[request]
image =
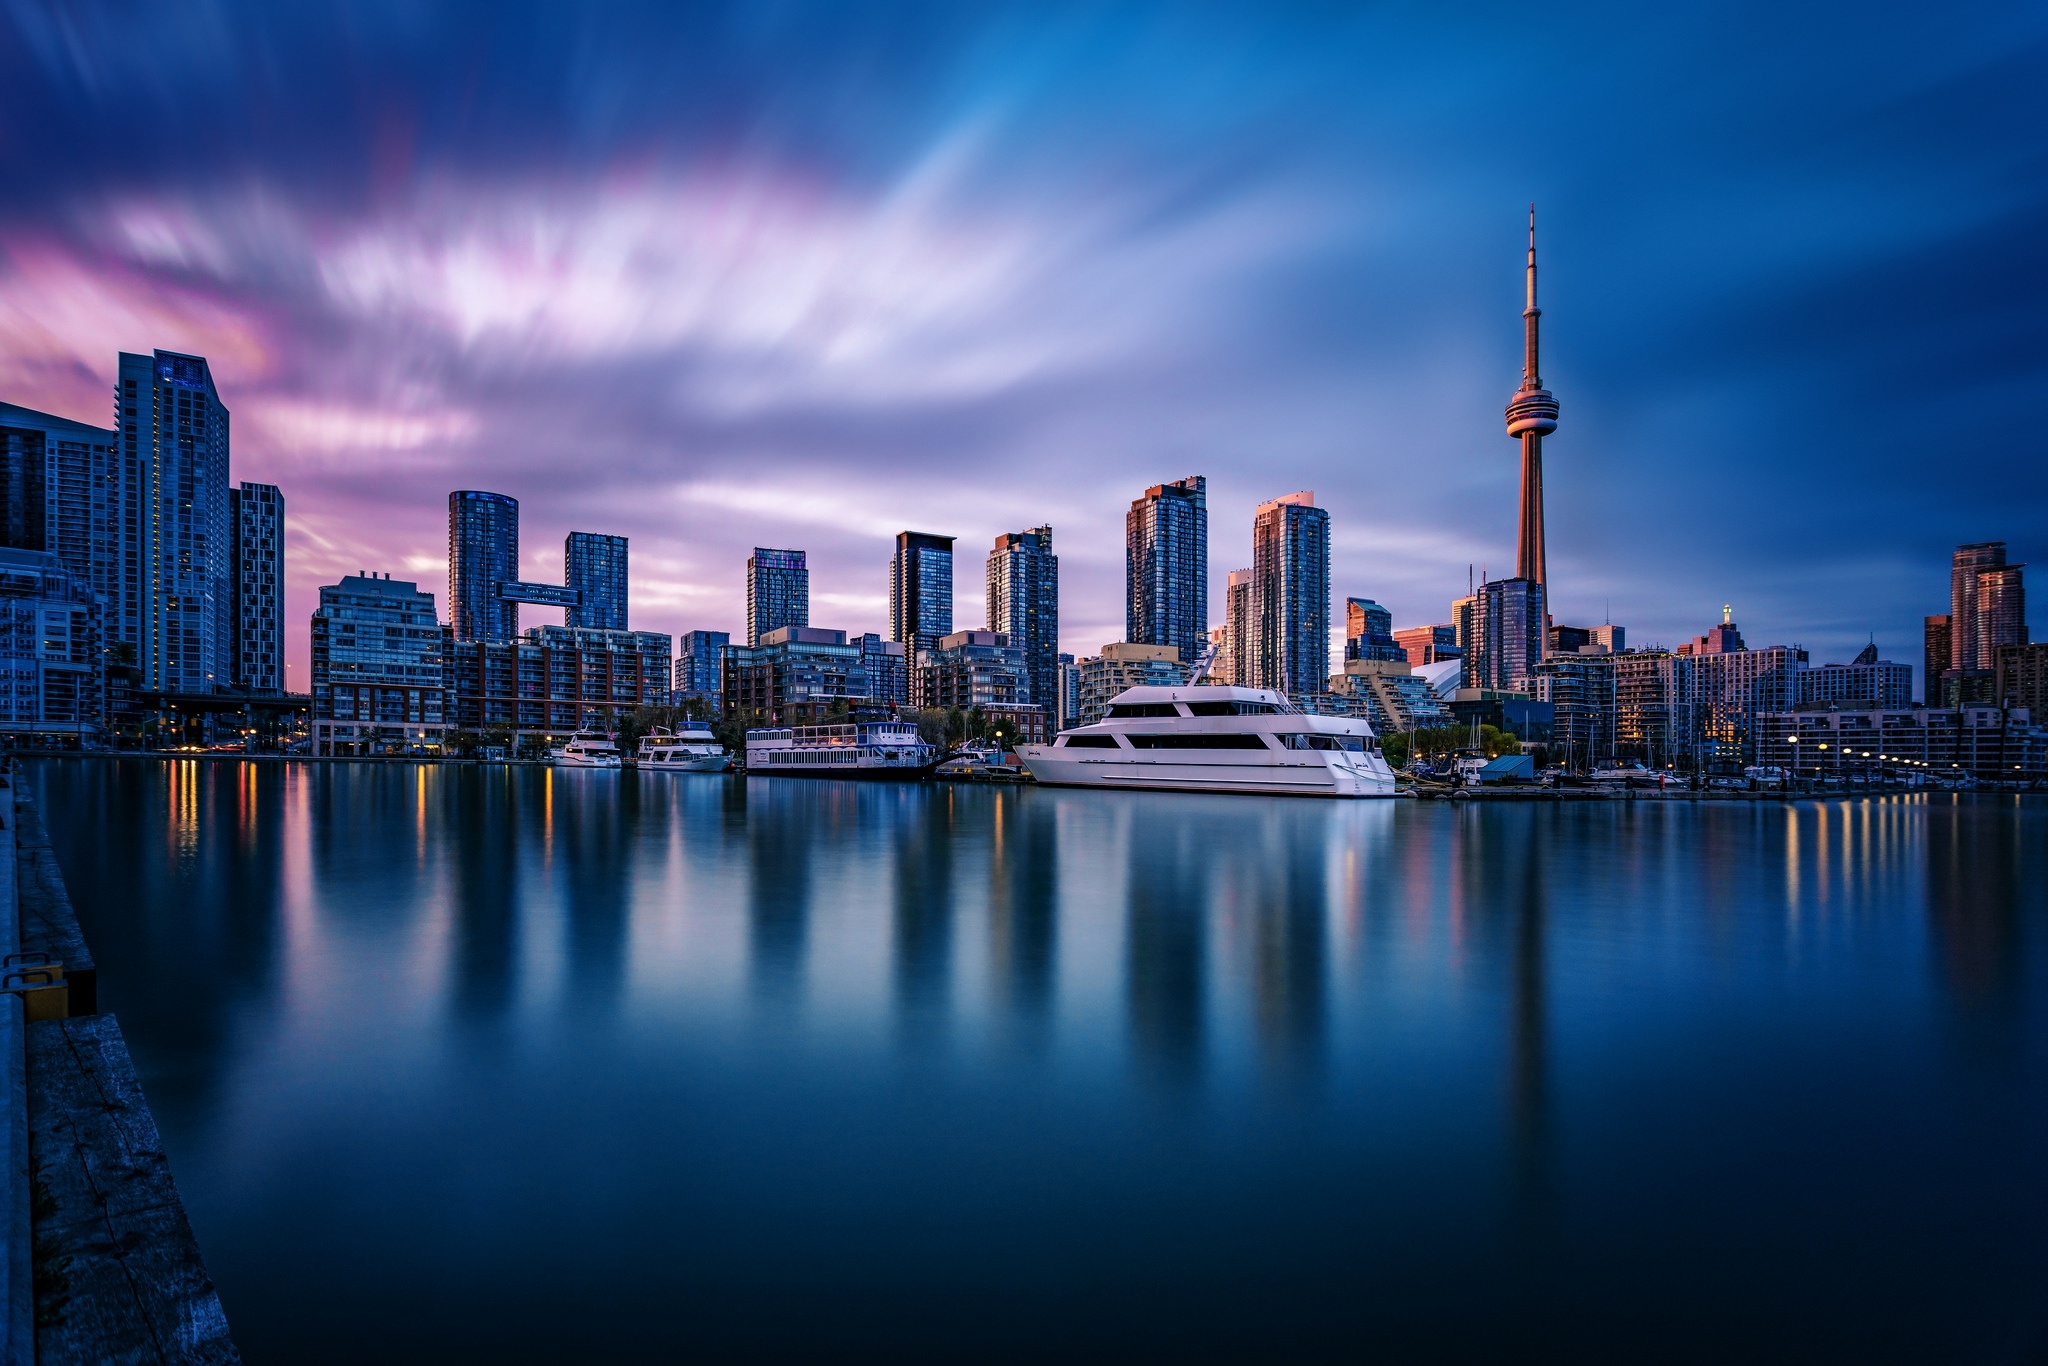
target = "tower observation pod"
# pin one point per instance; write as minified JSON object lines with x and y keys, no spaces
{"x":1532,"y":415}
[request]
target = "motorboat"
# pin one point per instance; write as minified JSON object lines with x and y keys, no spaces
{"x":691,"y":750}
{"x":1215,"y":739}
{"x":885,"y":748}
{"x":586,"y":749}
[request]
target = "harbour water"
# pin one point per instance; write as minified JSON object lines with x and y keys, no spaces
{"x":520,"y":1064}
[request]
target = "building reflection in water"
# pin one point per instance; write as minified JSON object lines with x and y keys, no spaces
{"x":485,"y":829}
{"x":1023,"y":907}
{"x":780,"y":842}
{"x":923,"y":920}
{"x":596,"y":820}
{"x":1977,"y":869}
{"x":1171,"y":864}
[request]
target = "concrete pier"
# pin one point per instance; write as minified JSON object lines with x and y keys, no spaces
{"x":99,"y":1263}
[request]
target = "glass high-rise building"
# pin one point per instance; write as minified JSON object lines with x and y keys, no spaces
{"x":1166,"y":567}
{"x":1024,"y":604}
{"x":69,"y":492}
{"x":595,"y":569}
{"x":256,"y":645}
{"x":174,"y":429}
{"x":483,"y":554}
{"x":1290,"y":595}
{"x":1503,"y":630}
{"x":1369,"y":632}
{"x":700,"y":666}
{"x":778,"y":592}
{"x":921,"y":589}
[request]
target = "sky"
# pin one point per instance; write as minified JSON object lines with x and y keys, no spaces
{"x":713,"y":277}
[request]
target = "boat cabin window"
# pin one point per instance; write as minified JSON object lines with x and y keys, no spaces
{"x":1186,"y":741}
{"x":1132,"y":710}
{"x":1354,"y":743}
{"x":1232,"y":709}
{"x":1088,"y":742}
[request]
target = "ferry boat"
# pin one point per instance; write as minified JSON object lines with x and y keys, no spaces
{"x":586,"y":749}
{"x":1215,"y":739}
{"x":694,"y":750}
{"x":886,"y":748}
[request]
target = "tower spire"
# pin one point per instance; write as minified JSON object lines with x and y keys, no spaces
{"x":1532,"y":415}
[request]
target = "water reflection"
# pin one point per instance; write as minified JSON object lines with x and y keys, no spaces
{"x":1167,"y":891}
{"x":1560,"y":1058}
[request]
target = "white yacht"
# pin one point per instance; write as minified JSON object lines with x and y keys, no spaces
{"x":886,"y":748}
{"x":1215,"y":739}
{"x":693,"y":750}
{"x":586,"y":749}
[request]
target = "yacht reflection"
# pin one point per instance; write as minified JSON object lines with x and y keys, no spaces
{"x":1172,"y":862}
{"x":485,"y":828}
{"x":923,"y":927}
{"x":1023,"y":904}
{"x":1289,"y":904}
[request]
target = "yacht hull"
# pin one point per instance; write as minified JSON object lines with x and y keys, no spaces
{"x":716,"y":763}
{"x":896,"y":773}
{"x":1301,"y":779}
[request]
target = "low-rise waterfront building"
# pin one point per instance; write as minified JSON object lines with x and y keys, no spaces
{"x":1395,"y":697}
{"x":1125,"y":664}
{"x":1580,"y":688}
{"x":379,"y":685}
{"x":975,"y":669}
{"x":1984,"y":741}
{"x":53,"y":682}
{"x":1867,"y":682}
{"x":555,"y":681}
{"x":794,"y":675}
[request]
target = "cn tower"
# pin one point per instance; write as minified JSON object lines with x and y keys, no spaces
{"x":1532,"y":415}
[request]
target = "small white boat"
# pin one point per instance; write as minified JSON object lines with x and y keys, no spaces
{"x":586,"y":749}
{"x":1215,"y":739}
{"x":692,"y":750}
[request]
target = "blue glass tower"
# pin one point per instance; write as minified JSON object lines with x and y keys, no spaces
{"x":595,"y":566}
{"x":175,"y":429}
{"x":1290,"y":595}
{"x":778,"y":592}
{"x":921,"y":590}
{"x":483,"y":552}
{"x":1166,"y":567}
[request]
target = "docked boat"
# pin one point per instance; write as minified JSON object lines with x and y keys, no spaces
{"x":586,"y":749}
{"x":692,"y":750}
{"x":887,"y":749}
{"x":1215,"y":739}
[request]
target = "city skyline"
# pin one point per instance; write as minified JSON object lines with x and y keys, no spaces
{"x":1281,"y":290}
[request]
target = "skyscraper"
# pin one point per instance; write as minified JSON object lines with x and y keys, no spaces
{"x":69,"y":492}
{"x":778,"y":592}
{"x":2001,"y":611}
{"x":594,"y":567}
{"x":256,"y":646}
{"x":1166,"y":567}
{"x":700,"y":666}
{"x":1235,"y":657}
{"x":1938,"y":650}
{"x":1501,"y":629}
{"x":483,"y":554}
{"x":1369,"y":632}
{"x":175,"y":429}
{"x":1024,"y":604}
{"x":1532,"y":415}
{"x":921,"y":590}
{"x":1290,"y":595}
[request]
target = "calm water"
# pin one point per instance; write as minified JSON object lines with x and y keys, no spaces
{"x":524,"y":1064}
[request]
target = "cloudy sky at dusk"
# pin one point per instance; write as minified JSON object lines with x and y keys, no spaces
{"x":780,"y":275}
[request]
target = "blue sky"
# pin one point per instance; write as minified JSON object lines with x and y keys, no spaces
{"x":716,"y":277}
